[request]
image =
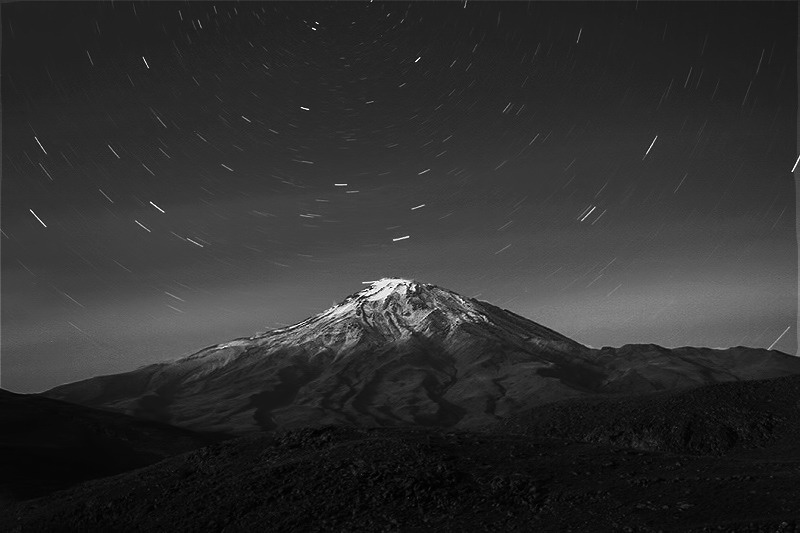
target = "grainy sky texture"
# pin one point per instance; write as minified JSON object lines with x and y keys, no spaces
{"x":179,"y":174}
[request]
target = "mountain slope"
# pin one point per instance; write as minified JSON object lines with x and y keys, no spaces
{"x":46,"y":445}
{"x":402,"y":353}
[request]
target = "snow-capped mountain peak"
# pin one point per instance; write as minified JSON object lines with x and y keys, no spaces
{"x":383,"y":287}
{"x":390,"y":308}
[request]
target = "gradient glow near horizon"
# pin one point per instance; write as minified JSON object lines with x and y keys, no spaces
{"x":176,"y":175}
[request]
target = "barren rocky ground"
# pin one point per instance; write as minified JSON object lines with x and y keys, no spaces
{"x":712,"y":420}
{"x":738,"y":470}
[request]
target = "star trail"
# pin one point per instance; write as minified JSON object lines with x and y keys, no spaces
{"x":179,"y":174}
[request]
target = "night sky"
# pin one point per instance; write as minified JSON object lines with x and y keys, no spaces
{"x":176,"y":175}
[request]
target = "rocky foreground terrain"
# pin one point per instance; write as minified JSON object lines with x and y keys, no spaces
{"x":711,"y":420}
{"x":46,"y":445}
{"x":344,"y":479}
{"x":732,"y":464}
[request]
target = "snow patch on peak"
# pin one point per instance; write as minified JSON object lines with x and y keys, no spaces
{"x":380,"y":289}
{"x":411,"y":303}
{"x":389,"y":308}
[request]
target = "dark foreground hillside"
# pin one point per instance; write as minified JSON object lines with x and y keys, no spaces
{"x":46,"y":445}
{"x":722,"y":457}
{"x":714,"y":419}
{"x":348,"y":479}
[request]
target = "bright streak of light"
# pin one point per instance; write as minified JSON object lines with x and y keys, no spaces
{"x":154,"y":205}
{"x":45,"y":171}
{"x":104,"y":194}
{"x":37,"y":218}
{"x":760,"y":59}
{"x":76,"y":327}
{"x":143,"y":226}
{"x":401,"y":238}
{"x":681,"y":183}
{"x":123,"y":267}
{"x":613,"y":290}
{"x":70,"y":297}
{"x":795,"y":163}
{"x":145,"y":63}
{"x":747,"y":93}
{"x":417,"y":207}
{"x":651,"y":147}
{"x":340,"y":185}
{"x":423,"y":172}
{"x":779,"y":338}
{"x":40,"y":145}
{"x":779,"y":217}
{"x":579,"y":36}
{"x":113,"y":151}
{"x":598,"y":218}
{"x":502,"y":249}
{"x":194,"y":242}
{"x":589,"y":213}
{"x":173,"y":296}
{"x":226,"y":166}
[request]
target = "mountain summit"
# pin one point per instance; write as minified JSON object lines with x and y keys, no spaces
{"x":389,"y":310}
{"x":398,"y":310}
{"x":400,"y":352}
